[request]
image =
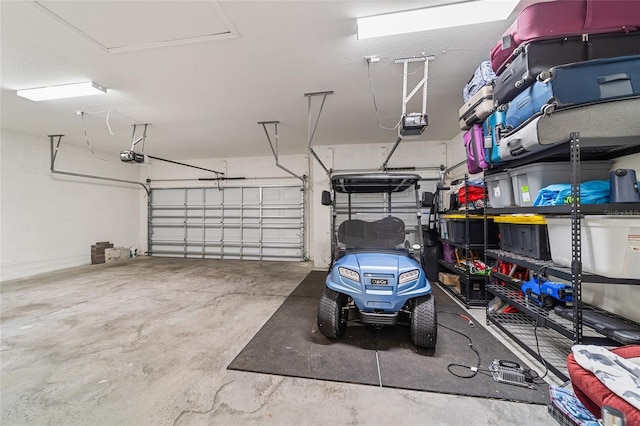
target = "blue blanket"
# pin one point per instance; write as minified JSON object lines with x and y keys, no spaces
{"x":591,"y":192}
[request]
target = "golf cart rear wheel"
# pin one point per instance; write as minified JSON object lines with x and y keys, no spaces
{"x":424,"y":322}
{"x":332,"y":317}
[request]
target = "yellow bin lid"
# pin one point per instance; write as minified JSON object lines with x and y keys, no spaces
{"x":527,"y":219}
{"x":463,"y":217}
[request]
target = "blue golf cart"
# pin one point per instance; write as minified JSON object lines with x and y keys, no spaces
{"x":376,"y":274}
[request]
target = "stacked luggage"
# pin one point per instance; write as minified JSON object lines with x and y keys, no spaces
{"x":562,"y":66}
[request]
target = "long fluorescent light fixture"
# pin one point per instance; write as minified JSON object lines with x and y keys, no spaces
{"x":63,"y":91}
{"x":432,"y":18}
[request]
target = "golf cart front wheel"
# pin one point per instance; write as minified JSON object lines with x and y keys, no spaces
{"x":332,"y":315}
{"x":424,"y":322}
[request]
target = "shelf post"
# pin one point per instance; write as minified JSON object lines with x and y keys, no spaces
{"x":467,"y":241}
{"x":576,"y":236}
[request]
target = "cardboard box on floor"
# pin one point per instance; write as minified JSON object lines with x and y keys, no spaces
{"x":449,"y":279}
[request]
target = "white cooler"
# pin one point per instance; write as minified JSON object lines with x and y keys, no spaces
{"x":610,"y":244}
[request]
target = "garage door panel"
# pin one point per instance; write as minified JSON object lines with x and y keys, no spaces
{"x":281,"y":235}
{"x":170,"y":197}
{"x":251,"y":235}
{"x":236,"y":223}
{"x":195,"y":213}
{"x":251,"y":196}
{"x":169,"y":233}
{"x":212,"y":196}
{"x":213,"y":234}
{"x":166,"y":212}
{"x":195,"y":196}
{"x":195,"y":234}
{"x":232,"y":196}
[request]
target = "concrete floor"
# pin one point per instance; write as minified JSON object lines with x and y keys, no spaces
{"x":146,"y":341}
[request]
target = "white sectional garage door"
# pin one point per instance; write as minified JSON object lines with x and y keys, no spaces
{"x":255,"y":223}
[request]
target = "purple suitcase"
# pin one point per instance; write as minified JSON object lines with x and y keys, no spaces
{"x":562,"y":18}
{"x":474,"y":145}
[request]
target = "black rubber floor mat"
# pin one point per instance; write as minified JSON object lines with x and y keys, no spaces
{"x":290,"y":344}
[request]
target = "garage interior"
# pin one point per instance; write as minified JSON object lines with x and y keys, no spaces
{"x":142,"y":291}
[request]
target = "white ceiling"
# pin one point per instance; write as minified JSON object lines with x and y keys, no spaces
{"x":204,"y":73}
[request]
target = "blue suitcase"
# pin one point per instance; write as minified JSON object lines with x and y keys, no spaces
{"x":493,"y":126}
{"x":576,"y":84}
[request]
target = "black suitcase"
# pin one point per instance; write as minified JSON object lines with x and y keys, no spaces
{"x":533,"y":58}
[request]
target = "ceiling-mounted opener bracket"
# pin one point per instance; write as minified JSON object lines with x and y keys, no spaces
{"x":56,"y":140}
{"x":415,"y":123}
{"x":131,"y":156}
{"x":311,"y":133}
{"x":275,"y":150}
{"x":142,"y":138}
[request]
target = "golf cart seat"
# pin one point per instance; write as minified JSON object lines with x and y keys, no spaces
{"x":384,"y":233}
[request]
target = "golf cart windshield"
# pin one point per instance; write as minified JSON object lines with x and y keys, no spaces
{"x":376,"y":211}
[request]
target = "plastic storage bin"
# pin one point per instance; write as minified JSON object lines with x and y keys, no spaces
{"x":528,"y":180}
{"x":500,"y":190}
{"x":524,"y":234}
{"x":610,"y":244}
{"x":455,"y":229}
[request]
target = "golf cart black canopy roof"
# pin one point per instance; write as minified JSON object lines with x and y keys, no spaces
{"x":373,"y":182}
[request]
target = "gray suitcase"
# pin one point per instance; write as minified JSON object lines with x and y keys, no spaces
{"x":477,"y":108}
{"x":606,"y":120}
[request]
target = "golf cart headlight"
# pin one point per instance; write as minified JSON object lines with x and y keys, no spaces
{"x":406,"y":277}
{"x":349,"y":274}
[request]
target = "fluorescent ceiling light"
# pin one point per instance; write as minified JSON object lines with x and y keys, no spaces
{"x":63,"y":91}
{"x":432,"y":18}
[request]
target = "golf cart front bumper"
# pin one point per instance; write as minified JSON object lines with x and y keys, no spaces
{"x":380,"y":284}
{"x":379,"y":318}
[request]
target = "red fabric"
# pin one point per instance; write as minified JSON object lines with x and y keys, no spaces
{"x":475,"y":193}
{"x":594,"y":394}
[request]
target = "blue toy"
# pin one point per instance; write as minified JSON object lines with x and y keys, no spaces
{"x":547,"y":293}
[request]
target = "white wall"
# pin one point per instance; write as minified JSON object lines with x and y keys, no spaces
{"x":48,"y":221}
